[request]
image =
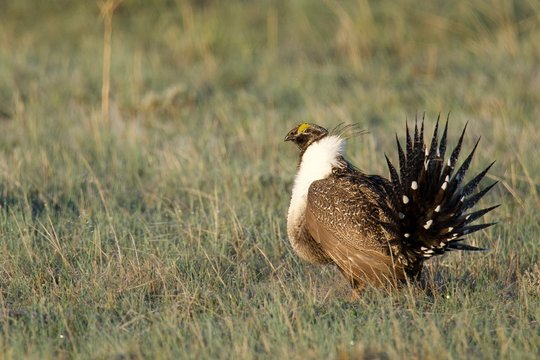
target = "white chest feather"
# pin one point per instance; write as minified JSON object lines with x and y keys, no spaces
{"x":317,"y":163}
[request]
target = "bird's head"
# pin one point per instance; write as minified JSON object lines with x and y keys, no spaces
{"x":306,"y":134}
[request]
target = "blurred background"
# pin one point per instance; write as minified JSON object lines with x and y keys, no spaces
{"x":144,"y":181}
{"x":171,"y":58}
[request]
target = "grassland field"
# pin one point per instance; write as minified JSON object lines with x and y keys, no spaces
{"x":155,"y":226}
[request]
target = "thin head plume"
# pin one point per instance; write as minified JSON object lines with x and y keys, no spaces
{"x":348,"y":131}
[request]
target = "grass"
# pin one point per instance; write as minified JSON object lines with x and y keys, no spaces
{"x":161,"y":233}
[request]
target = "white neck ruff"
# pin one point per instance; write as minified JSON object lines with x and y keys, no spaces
{"x":317,"y":163}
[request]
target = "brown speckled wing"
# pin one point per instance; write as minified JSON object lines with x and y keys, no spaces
{"x":342,"y":216}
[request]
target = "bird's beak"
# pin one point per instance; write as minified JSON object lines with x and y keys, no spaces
{"x":289,"y":137}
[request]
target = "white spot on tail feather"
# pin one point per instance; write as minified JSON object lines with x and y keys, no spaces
{"x":407,"y":235}
{"x":438,"y":208}
{"x":444,"y":185}
{"x":414,"y":185}
{"x":405,"y":199}
{"x":428,"y":224}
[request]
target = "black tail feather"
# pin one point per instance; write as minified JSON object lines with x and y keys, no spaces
{"x":469,"y":202}
{"x":471,"y":185}
{"x":459,"y":246}
{"x":401,"y":157}
{"x":442,"y":147}
{"x":455,"y":153}
{"x":469,"y":218}
{"x":474,"y":228}
{"x":458,"y":178}
{"x":428,"y":205}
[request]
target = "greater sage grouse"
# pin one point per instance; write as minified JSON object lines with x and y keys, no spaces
{"x":376,"y":230}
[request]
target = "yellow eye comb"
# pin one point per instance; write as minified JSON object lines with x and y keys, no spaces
{"x":302,"y":127}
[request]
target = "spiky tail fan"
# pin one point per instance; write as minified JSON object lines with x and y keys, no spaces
{"x":429,"y":208}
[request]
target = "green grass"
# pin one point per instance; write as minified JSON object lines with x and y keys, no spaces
{"x":163,"y":235}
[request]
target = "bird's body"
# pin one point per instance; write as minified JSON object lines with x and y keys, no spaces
{"x":375,"y":230}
